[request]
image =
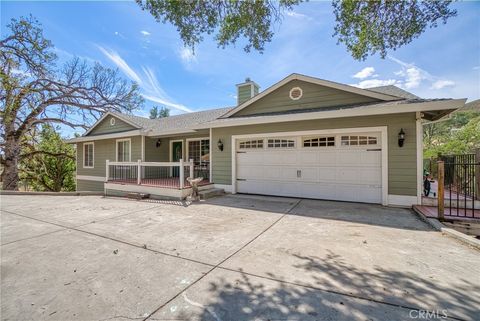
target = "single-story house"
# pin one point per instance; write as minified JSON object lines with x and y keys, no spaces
{"x":301,"y":137}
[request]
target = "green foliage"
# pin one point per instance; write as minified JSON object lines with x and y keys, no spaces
{"x":457,"y":135}
{"x":155,"y":112}
{"x":48,"y":164}
{"x":365,"y":27}
{"x":251,"y":19}
{"x":368,"y":27}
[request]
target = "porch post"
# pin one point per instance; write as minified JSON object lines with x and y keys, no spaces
{"x":191,"y":168}
{"x":441,"y":191}
{"x":182,"y":174}
{"x":107,"y":170}
{"x":139,"y":171}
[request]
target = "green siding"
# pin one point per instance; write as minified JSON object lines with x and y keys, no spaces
{"x":104,"y":127}
{"x":154,"y":153}
{"x":244,"y":92}
{"x":402,"y":165}
{"x":105,"y":149}
{"x":89,"y":186}
{"x":314,"y":96}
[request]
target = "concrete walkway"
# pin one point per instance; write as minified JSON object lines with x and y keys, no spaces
{"x":231,"y":258}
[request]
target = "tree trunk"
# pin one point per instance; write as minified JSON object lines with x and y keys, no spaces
{"x":10,"y":169}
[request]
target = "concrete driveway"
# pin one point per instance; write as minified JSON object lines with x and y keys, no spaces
{"x":230,"y":258}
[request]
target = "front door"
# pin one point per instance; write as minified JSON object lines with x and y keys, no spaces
{"x":177,"y":154}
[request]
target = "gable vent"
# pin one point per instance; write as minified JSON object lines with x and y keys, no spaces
{"x":296,"y":93}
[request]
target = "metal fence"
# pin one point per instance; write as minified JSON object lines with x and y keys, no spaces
{"x":461,"y":185}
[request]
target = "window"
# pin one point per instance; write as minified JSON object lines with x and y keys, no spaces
{"x":112,"y":121}
{"x":123,"y":150}
{"x":88,"y":155}
{"x":359,"y":140}
{"x":199,"y":151}
{"x":280,"y":143}
{"x":251,"y":144}
{"x":319,"y":141}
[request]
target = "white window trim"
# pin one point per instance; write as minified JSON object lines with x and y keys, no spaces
{"x":129,"y":148}
{"x":380,"y":129}
{"x":112,"y":121}
{"x":250,"y":140}
{"x":303,"y":138}
{"x":196,"y":139}
{"x":295,"y":143}
{"x":93,"y":154}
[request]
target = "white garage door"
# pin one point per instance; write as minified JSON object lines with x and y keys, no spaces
{"x":346,"y":167}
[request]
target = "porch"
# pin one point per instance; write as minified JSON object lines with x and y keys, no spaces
{"x":159,"y":179}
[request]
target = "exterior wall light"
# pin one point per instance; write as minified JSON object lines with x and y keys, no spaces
{"x":401,"y":138}
{"x":220,"y":145}
{"x":158,"y":143}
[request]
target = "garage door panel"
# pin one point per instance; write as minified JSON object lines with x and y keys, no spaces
{"x":345,"y":173}
{"x":280,"y":158}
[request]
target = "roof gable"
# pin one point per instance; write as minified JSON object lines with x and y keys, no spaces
{"x":105,"y":125}
{"x":316,"y":93}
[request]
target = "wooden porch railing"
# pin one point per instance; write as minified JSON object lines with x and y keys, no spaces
{"x":161,"y":174}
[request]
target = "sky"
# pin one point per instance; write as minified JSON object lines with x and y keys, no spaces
{"x":444,"y":62}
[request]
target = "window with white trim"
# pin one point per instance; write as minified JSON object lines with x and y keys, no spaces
{"x":123,"y":150}
{"x":88,"y":156}
{"x":359,"y":140}
{"x":250,"y":144}
{"x":280,"y":143}
{"x":324,"y":141}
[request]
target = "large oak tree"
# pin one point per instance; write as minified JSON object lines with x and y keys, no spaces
{"x":364,"y":27}
{"x":35,"y":91}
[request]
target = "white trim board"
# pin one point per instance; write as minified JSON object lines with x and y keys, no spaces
{"x":402,"y":200}
{"x":90,"y":178}
{"x":381,"y":109}
{"x":129,"y":133}
{"x":419,"y":138}
{"x":380,"y":129}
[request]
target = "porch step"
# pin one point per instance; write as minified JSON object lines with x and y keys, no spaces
{"x":211,"y":192}
{"x":138,"y":196}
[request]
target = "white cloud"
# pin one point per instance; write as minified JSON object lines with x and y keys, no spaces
{"x":145,"y":33}
{"x":187,"y":56}
{"x":375,"y":83}
{"x":151,"y":89}
{"x":413,"y":75}
{"x":297,"y":15}
{"x":365,"y":73}
{"x":476,"y":68}
{"x":439,"y":84}
{"x":120,"y":63}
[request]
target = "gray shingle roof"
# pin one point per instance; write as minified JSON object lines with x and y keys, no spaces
{"x":393,"y":91}
{"x":175,"y":123}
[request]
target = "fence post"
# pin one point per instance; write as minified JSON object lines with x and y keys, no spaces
{"x":191,"y":168}
{"x":182,"y":174}
{"x":139,"y":171}
{"x":441,"y":190}
{"x":107,"y":170}
{"x":477,"y":173}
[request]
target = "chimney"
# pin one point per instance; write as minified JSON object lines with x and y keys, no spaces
{"x":246,"y":90}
